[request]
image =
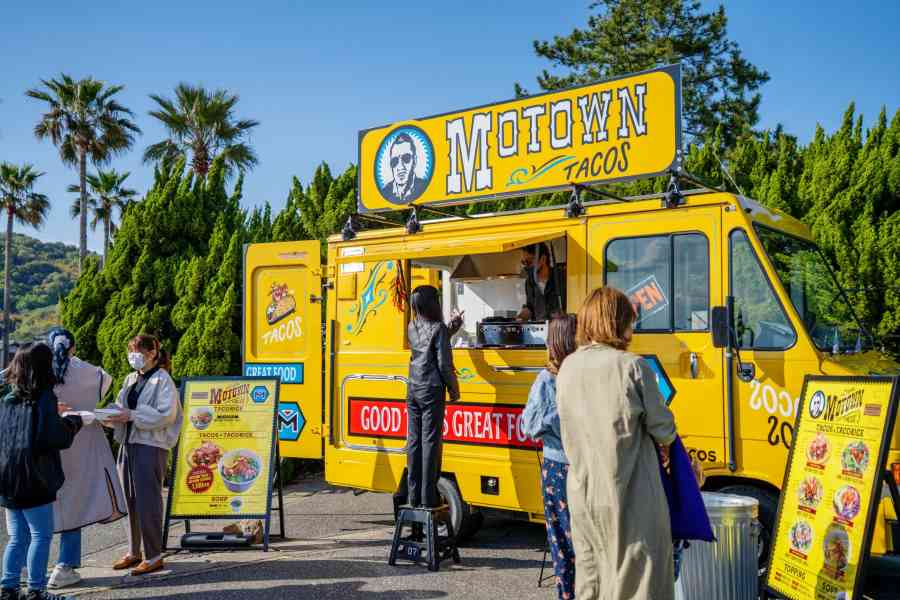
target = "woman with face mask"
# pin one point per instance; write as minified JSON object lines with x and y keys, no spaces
{"x":146,"y":429}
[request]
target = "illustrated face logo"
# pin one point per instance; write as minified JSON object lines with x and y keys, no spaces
{"x":283,"y":303}
{"x":404,"y":165}
{"x":817,"y":405}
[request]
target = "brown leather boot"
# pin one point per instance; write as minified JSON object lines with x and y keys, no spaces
{"x":126,"y":562}
{"x":145,"y":568}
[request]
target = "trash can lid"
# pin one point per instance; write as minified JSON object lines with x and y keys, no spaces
{"x":730,"y":505}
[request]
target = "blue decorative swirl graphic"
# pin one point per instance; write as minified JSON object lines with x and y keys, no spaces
{"x":372,"y":297}
{"x":522,"y":175}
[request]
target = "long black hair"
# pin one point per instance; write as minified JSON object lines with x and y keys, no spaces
{"x":426,"y":304}
{"x":60,"y":341}
{"x":31,"y":372}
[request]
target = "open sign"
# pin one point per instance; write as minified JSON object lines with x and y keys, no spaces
{"x":647,"y":298}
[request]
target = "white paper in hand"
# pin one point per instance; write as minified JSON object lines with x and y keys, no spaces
{"x":87,"y":417}
{"x":103,"y":414}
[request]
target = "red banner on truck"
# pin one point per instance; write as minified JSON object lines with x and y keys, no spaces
{"x":464,"y":423}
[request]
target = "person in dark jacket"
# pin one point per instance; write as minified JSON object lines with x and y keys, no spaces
{"x":432,"y":377}
{"x":540,"y":421}
{"x":32,"y":433}
{"x":545,"y":284}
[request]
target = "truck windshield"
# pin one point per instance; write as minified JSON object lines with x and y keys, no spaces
{"x":815,"y":293}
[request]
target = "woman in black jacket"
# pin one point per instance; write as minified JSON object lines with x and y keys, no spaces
{"x":431,"y":377}
{"x":31,"y":436}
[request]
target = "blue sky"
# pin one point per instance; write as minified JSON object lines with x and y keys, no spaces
{"x":315,"y":73}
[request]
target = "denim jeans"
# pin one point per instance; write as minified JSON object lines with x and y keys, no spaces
{"x":30,"y":532}
{"x":70,"y":549}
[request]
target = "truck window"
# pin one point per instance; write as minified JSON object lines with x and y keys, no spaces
{"x":760,"y":320}
{"x":666,"y":277}
{"x":814,"y":292}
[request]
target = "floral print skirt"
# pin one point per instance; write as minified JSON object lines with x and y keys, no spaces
{"x":559,"y":527}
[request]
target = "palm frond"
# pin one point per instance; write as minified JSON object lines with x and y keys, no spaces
{"x":202,"y":123}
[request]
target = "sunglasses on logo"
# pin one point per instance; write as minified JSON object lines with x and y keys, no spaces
{"x":406,"y":157}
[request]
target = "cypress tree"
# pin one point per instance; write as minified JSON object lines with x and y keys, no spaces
{"x":288,"y":225}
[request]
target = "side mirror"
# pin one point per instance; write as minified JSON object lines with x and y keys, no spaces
{"x":720,"y":326}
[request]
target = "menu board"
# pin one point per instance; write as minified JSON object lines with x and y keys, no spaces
{"x":223,"y":467}
{"x":832,"y":487}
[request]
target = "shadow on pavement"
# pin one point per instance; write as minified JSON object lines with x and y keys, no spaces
{"x":350,"y":590}
{"x":350,"y":571}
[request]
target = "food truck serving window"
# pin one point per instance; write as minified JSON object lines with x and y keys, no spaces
{"x":666,"y":277}
{"x":493,"y":290}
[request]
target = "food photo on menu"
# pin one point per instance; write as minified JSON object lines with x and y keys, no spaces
{"x":837,"y":550}
{"x":207,"y":454}
{"x":240,"y":469}
{"x":810,"y":493}
{"x":201,"y":417}
{"x":819,"y":450}
{"x":855,"y":458}
{"x":801,"y":537}
{"x":847,"y":502}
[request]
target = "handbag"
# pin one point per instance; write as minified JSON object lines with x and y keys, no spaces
{"x":686,"y":508}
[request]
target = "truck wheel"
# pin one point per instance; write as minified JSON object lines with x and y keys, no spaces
{"x":465,"y":521}
{"x":768,"y":509}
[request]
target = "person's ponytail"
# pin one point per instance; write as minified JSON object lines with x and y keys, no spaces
{"x":165,"y":360}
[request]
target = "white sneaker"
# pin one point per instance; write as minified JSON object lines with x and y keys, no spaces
{"x":63,"y":576}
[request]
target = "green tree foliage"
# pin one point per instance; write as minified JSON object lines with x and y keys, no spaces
{"x":158,"y":257}
{"x":325,"y":205}
{"x":719,"y":85}
{"x":86,"y":122}
{"x":201,"y":124}
{"x":108,"y":194}
{"x":23,"y":205}
{"x":42,"y":273}
{"x":288,"y":224}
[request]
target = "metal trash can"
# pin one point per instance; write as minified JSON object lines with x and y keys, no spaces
{"x":726,"y":569}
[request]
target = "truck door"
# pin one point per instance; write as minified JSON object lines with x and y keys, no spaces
{"x":669,"y":264}
{"x":282,"y":336}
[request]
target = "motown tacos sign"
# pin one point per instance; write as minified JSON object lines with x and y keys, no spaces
{"x":609,"y":131}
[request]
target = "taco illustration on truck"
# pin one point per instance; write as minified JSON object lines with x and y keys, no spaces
{"x":283,"y":303}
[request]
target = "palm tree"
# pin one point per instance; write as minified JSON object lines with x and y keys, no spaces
{"x":27,"y":207}
{"x":107,"y":194}
{"x":202,"y":124}
{"x":85,"y":122}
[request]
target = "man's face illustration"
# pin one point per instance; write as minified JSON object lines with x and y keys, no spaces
{"x":403,"y":162}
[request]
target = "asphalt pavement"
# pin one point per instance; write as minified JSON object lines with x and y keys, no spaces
{"x":337,"y":547}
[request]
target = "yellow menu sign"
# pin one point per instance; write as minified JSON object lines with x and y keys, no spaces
{"x":606,"y":131}
{"x":832,"y":487}
{"x":223,"y":466}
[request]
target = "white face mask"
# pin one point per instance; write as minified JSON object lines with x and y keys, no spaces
{"x":136,"y":360}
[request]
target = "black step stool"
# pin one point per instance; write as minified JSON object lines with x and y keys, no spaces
{"x":436,"y":548}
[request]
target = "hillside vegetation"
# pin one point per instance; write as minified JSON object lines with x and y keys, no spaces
{"x":42,"y":273}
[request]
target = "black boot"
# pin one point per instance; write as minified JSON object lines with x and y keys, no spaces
{"x":9,"y":594}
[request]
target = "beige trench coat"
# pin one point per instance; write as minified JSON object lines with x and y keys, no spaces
{"x":92,"y":492}
{"x":611,"y":412}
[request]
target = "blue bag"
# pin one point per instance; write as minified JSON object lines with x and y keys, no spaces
{"x":686,"y":508}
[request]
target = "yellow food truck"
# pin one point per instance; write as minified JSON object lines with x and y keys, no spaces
{"x":735,"y":302}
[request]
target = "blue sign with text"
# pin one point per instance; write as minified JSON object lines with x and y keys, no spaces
{"x":290,"y":373}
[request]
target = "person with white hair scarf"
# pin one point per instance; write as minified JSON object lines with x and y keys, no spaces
{"x":92,"y":492}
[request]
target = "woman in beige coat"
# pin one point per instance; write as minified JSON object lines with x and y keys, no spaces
{"x":613,"y":421}
{"x":92,"y":492}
